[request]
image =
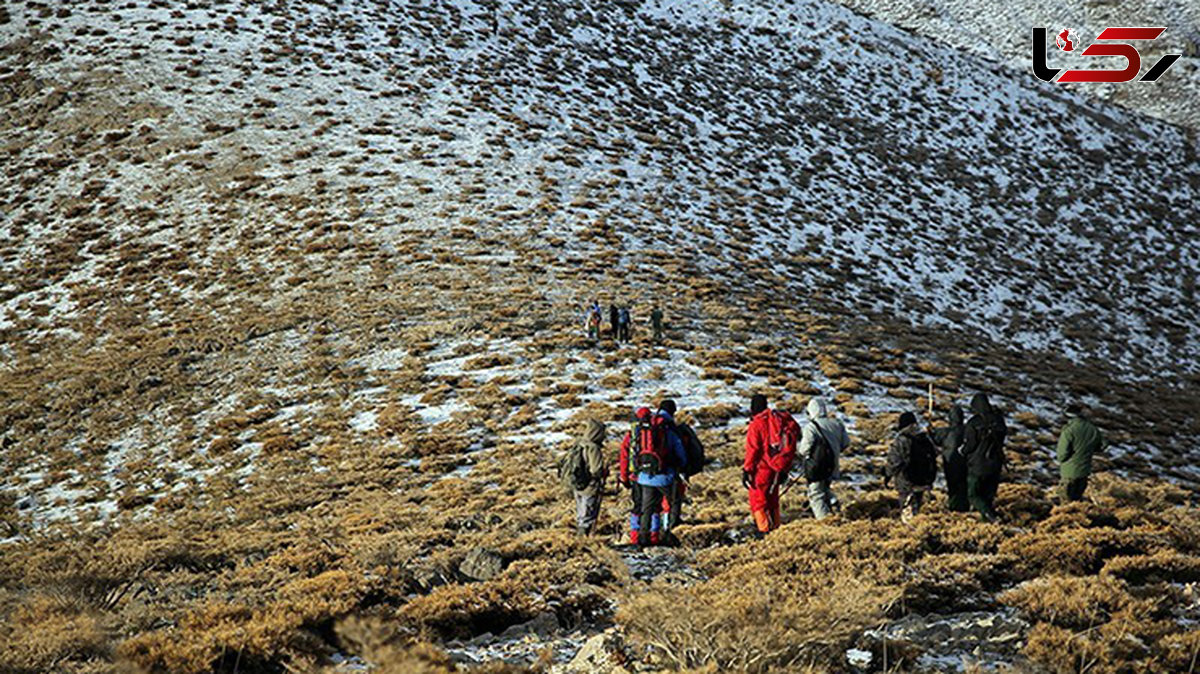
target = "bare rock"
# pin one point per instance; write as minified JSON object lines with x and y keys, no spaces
{"x":602,"y":654}
{"x":481,"y":564}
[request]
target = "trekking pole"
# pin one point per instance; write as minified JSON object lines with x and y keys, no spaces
{"x":930,"y":400}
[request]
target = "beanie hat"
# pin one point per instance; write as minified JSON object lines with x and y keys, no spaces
{"x":758,"y":403}
{"x":667,"y":406}
{"x":907,"y":419}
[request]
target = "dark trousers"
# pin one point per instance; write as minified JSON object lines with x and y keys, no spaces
{"x":623,"y":333}
{"x":1072,"y":488}
{"x":652,"y":500}
{"x":635,"y":511}
{"x":676,"y":506}
{"x":981,"y":492}
{"x":956,"y":485}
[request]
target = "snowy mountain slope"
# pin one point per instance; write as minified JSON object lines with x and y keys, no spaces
{"x":844,"y":158}
{"x":231,"y":163}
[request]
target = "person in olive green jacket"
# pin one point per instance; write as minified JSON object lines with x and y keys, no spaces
{"x":656,"y":319}
{"x":1078,"y":442}
{"x":587,"y":499}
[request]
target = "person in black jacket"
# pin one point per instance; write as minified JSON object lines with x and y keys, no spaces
{"x":954,"y":464}
{"x":911,"y":465}
{"x":983,"y":447}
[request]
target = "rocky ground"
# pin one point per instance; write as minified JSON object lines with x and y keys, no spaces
{"x":290,"y":311}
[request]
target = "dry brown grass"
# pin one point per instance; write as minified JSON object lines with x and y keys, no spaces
{"x":734,"y":626}
{"x":42,"y":634}
{"x":774,"y":604}
{"x":1074,"y":601}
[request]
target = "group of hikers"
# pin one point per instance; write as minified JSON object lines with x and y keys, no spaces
{"x":655,"y":461}
{"x":620,"y":322}
{"x":659,"y":455}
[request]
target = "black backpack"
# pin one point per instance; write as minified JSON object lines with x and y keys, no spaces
{"x":922,"y":461}
{"x":991,"y":438}
{"x":820,"y":462}
{"x":693,"y":448}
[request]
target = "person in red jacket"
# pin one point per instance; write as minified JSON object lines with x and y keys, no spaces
{"x":627,"y":476}
{"x":770,"y":449}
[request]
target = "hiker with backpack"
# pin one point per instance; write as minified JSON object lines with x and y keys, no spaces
{"x":695,"y":463}
{"x":771,"y":438}
{"x":593,"y":322}
{"x":625,"y":323}
{"x":954,"y":464}
{"x":821,"y":445}
{"x":983,"y":447}
{"x":658,"y":457}
{"x":583,"y":472}
{"x":627,"y":474}
{"x":656,"y":321}
{"x":911,"y":465}
{"x":614,"y":320}
{"x":1079,"y":441}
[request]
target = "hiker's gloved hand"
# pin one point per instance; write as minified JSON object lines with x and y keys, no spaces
{"x":747,"y":479}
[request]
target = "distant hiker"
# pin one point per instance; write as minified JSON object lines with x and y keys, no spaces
{"x":821,"y":447}
{"x":583,"y":471}
{"x":1078,"y":442}
{"x":983,"y":447}
{"x":954,"y":464}
{"x":656,"y":320}
{"x":911,"y":465}
{"x":771,"y":438}
{"x":626,"y":325}
{"x":593,"y":322}
{"x":694,"y":450}
{"x":614,"y":318}
{"x":658,"y":456}
{"x":626,"y":473}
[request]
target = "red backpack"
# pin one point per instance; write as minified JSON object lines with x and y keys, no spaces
{"x":650,"y":450}
{"x":782,"y":435}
